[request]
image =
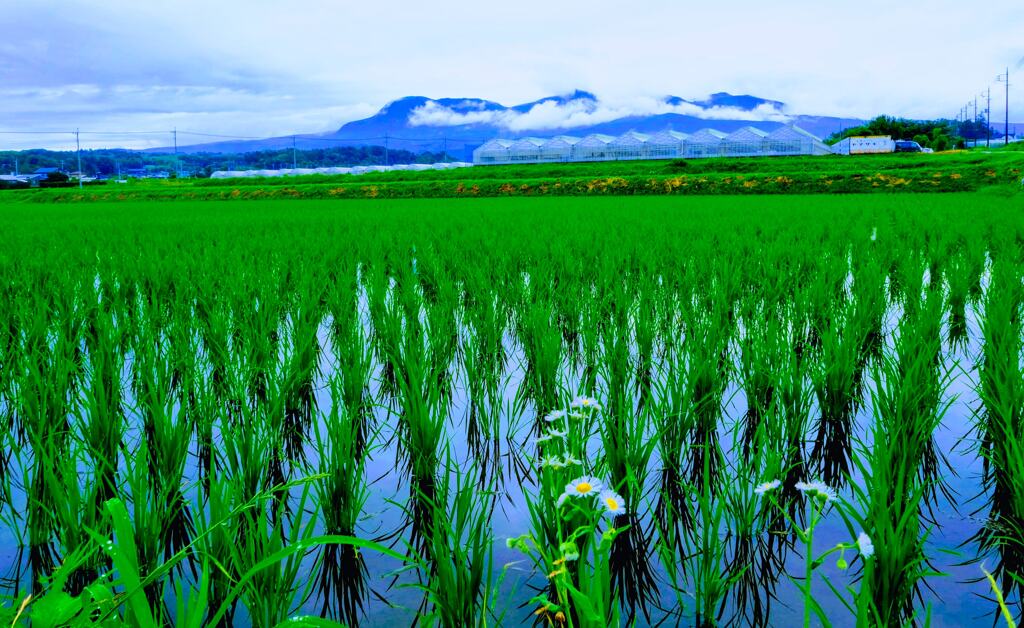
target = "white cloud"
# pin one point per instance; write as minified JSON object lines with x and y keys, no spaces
{"x":580,"y":112}
{"x":327,"y":62}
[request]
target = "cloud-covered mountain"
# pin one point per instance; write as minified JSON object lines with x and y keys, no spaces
{"x":458,"y":124}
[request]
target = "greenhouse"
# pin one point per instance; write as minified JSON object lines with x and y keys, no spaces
{"x":293,"y":172}
{"x":558,"y":148}
{"x":593,"y":148}
{"x":746,"y":142}
{"x":792,"y":140}
{"x":526,"y":149}
{"x":666,"y":145}
{"x":704,"y":143}
{"x":493,"y":152}
{"x":631,"y":145}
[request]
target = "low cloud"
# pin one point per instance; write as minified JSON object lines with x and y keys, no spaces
{"x":580,"y":112}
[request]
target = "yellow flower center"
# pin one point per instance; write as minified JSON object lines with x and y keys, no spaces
{"x":584,"y":487}
{"x":612,"y":504}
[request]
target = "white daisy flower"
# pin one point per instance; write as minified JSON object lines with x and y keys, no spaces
{"x":551,"y":461}
{"x":554,"y":415}
{"x":612,"y":502}
{"x":817,"y":489}
{"x":767,"y":487}
{"x":866,"y":547}
{"x":571,"y":460}
{"x":585,"y":402}
{"x":551,"y":435}
{"x":583,"y":487}
{"x":558,"y":433}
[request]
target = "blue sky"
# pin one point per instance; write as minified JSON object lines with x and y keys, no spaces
{"x":261,"y":68}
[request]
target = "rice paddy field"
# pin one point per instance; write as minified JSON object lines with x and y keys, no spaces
{"x":716,"y":410}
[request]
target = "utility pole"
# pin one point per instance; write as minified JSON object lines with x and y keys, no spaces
{"x":387,"y":158}
{"x":444,"y":151}
{"x":177,"y":164}
{"x":988,"y":117}
{"x":295,"y":159}
{"x":1005,"y":79}
{"x":16,"y":173}
{"x":78,"y":150}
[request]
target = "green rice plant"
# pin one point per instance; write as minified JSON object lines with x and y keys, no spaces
{"x":709,"y":333}
{"x":341,"y":494}
{"x":1000,"y":424}
{"x":628,"y":444}
{"x":542,"y":346}
{"x":422,"y":422}
{"x":482,"y":362}
{"x":897,"y":465}
{"x":836,"y":377}
{"x":756,"y":532}
{"x":709,"y":575}
{"x":300,"y":369}
{"x":461,"y":587}
{"x":353,"y":357}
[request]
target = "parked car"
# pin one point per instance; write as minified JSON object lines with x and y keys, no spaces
{"x":908,"y":146}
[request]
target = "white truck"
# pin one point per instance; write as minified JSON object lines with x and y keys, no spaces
{"x":865,"y":145}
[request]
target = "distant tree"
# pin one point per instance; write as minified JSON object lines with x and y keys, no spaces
{"x":901,"y":128}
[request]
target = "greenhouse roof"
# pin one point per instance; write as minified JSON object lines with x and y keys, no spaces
{"x":596,"y":139}
{"x":562,"y":140}
{"x":529,"y":142}
{"x":667,"y":137}
{"x":746,"y":133}
{"x":631,"y":138}
{"x":707,"y":135}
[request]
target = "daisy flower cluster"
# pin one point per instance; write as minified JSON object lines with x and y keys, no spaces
{"x":587,"y":487}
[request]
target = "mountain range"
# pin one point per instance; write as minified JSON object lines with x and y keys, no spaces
{"x":458,"y":125}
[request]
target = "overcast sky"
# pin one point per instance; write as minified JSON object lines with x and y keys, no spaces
{"x":262,"y":68}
